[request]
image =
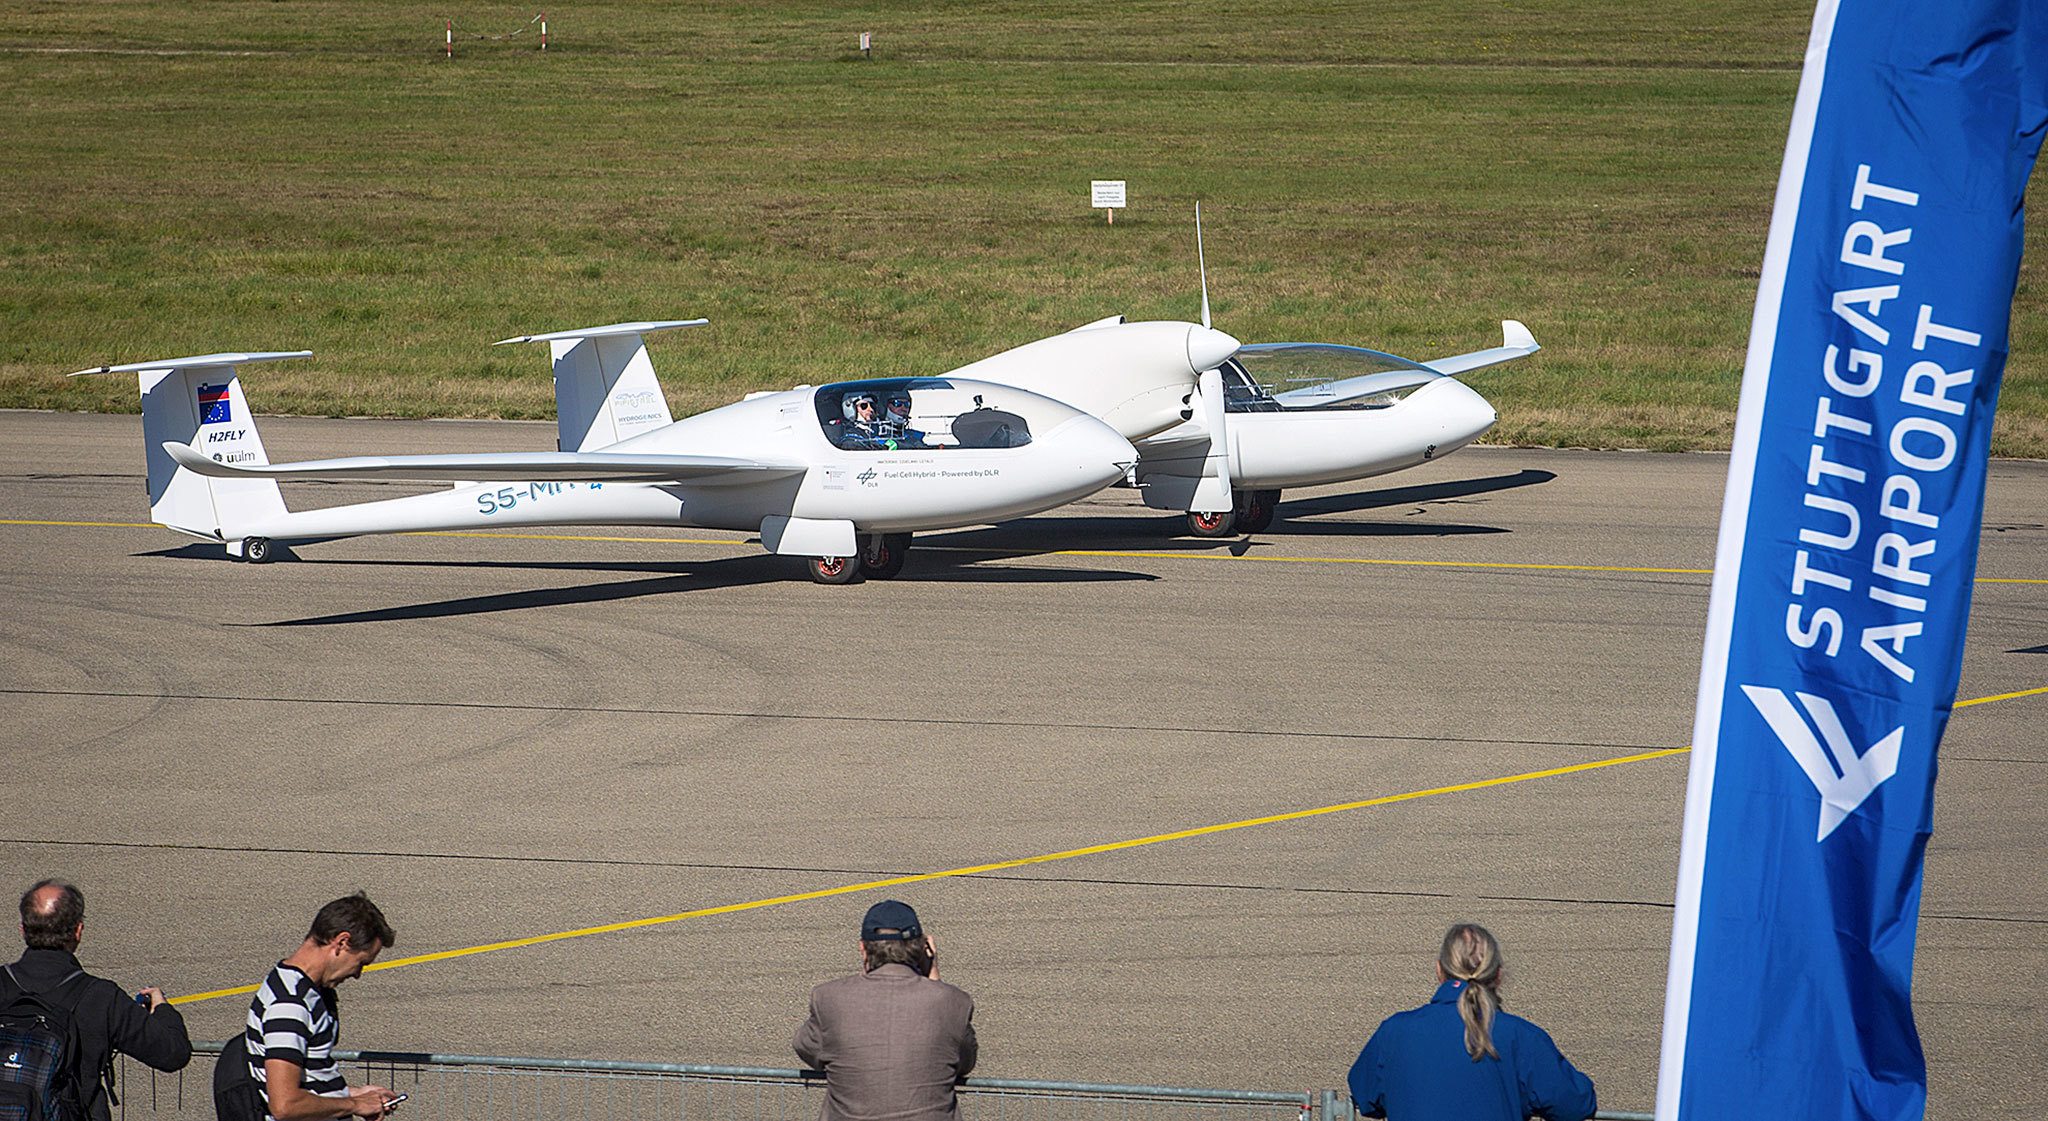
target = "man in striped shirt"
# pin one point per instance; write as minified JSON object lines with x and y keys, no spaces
{"x":294,"y":1024}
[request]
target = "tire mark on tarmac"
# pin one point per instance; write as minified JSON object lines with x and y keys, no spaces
{"x":801,"y":717}
{"x":876,"y":873}
{"x":1092,"y":881}
{"x":1227,"y":553}
{"x":923,"y":721}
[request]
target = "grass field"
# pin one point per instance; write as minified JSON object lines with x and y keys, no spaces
{"x":235,"y":175}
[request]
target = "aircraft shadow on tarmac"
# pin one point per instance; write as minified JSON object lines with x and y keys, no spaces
{"x":1412,"y":496}
{"x":1153,"y":532}
{"x":682,"y":576}
{"x":943,"y":558}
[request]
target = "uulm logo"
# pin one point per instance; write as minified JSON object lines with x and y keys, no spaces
{"x":1843,"y":777}
{"x":867,"y":477}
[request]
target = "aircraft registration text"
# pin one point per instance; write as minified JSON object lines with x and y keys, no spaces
{"x":506,"y":498}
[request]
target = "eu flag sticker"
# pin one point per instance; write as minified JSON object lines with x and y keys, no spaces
{"x":213,"y":404}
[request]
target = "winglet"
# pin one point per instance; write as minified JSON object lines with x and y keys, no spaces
{"x":1516,"y":342}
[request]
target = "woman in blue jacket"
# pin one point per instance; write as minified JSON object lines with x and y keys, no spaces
{"x":1460,"y":1058}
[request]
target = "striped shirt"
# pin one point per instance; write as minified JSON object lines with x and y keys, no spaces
{"x":292,"y":1019}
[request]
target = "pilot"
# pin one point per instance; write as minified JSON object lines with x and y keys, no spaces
{"x":896,"y":423}
{"x":862,"y":429}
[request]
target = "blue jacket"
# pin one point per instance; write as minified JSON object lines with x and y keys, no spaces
{"x":1415,"y":1068}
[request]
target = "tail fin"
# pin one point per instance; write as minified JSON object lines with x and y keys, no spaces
{"x":198,"y":401}
{"x":605,"y":388}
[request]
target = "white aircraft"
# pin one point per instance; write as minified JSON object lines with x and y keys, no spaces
{"x":841,"y":474}
{"x":1305,"y":414}
{"x":1280,"y":415}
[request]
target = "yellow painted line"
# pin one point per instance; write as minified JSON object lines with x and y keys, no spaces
{"x":1027,"y":861}
{"x":2001,"y":697}
{"x":97,"y":525}
{"x":1129,"y":554}
{"x":1376,"y":560}
{"x":980,"y":869}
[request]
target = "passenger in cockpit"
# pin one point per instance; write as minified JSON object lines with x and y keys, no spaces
{"x":895,"y":428}
{"x":860,"y":429}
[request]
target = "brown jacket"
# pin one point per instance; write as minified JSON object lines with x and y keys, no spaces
{"x":891,"y":1042}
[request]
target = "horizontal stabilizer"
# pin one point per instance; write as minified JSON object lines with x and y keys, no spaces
{"x":200,"y":361}
{"x":1516,"y":342}
{"x":606,"y":332}
{"x":608,"y":467}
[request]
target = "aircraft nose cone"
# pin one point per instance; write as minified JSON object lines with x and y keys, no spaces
{"x":1208,"y":348}
{"x":1102,"y":451}
{"x":1462,"y":415}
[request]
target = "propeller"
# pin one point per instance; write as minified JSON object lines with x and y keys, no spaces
{"x":1213,"y":492}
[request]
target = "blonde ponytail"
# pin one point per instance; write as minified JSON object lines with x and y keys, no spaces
{"x":1470,"y":954}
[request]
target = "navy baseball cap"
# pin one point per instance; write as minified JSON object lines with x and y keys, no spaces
{"x":890,"y":921}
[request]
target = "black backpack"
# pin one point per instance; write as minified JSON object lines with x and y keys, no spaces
{"x":38,"y":1053}
{"x":237,"y":1096}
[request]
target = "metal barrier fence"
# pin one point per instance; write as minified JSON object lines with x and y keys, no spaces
{"x":493,"y":1088}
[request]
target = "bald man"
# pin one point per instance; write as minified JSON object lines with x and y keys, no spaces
{"x":103,"y":1016}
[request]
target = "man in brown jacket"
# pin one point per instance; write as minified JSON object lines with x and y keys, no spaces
{"x":892,"y":1039}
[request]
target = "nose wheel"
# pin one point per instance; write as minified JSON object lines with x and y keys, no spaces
{"x":1252,"y":512}
{"x":881,"y":557}
{"x":834,"y":570}
{"x":1203,"y":524}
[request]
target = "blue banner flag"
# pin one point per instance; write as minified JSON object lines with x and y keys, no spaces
{"x":1848,"y":547}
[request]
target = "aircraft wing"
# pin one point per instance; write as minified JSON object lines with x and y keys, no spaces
{"x":1351,"y":389}
{"x":598,"y":467}
{"x":1516,"y":342}
{"x":1186,"y":442}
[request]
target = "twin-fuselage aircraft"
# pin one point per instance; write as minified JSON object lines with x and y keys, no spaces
{"x":840,"y":474}
{"x":844,"y":474}
{"x":1307,"y":414}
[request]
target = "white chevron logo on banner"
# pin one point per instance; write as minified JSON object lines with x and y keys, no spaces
{"x":1843,"y":777}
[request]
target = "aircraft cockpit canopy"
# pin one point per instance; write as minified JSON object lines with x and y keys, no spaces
{"x":913,"y":414}
{"x":1268,"y":377}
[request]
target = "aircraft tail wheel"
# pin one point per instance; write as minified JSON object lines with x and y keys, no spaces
{"x":834,"y":570}
{"x":883,"y":556}
{"x":1209,"y":525}
{"x":256,"y":550}
{"x":1255,"y":510}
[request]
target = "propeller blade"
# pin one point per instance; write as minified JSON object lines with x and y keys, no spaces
{"x":1202,"y":263}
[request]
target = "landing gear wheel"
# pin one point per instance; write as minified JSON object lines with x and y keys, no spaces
{"x":1209,"y":525}
{"x":1255,"y":510}
{"x":256,"y":550}
{"x":834,"y":570}
{"x":882,"y":556}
